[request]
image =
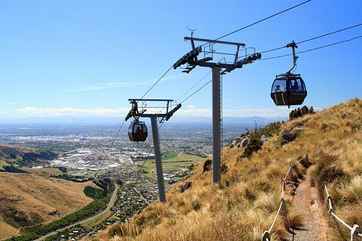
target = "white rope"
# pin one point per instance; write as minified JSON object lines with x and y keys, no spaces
{"x":276,"y":215}
{"x":266,"y":235}
{"x":353,"y":229}
{"x":329,"y":200}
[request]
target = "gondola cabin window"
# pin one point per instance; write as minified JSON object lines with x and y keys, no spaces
{"x":279,"y":86}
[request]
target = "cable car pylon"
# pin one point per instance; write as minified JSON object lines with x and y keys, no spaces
{"x":137,"y":131}
{"x":190,"y":60}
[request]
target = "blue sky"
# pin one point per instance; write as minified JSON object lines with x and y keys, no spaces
{"x":70,"y":60}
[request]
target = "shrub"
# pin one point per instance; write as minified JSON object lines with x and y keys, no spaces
{"x":196,"y":205}
{"x":94,"y":193}
{"x":330,"y":174}
{"x":253,"y":145}
{"x":270,"y":129}
{"x":299,"y":112}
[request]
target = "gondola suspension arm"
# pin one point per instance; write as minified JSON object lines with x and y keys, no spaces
{"x":293,"y":46}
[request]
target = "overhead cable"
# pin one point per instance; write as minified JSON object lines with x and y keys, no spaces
{"x":314,"y":38}
{"x":156,"y":82}
{"x":263,"y":19}
{"x":316,"y":48}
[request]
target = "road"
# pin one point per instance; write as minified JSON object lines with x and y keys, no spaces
{"x":111,"y":203}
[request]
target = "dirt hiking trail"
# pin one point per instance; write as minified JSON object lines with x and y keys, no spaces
{"x":309,"y":205}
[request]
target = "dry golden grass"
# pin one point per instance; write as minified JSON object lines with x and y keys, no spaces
{"x":38,"y":196}
{"x":244,"y":206}
{"x":44,"y":172}
{"x":7,"y":230}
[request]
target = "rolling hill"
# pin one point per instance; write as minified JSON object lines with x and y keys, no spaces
{"x":308,"y":152}
{"x":23,"y":157}
{"x":29,"y":197}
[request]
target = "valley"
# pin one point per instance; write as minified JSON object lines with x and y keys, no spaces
{"x":47,"y":187}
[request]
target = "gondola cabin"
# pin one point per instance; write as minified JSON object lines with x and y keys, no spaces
{"x":137,"y":131}
{"x":288,"y":89}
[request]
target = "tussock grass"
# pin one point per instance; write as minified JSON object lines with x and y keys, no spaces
{"x":246,"y":204}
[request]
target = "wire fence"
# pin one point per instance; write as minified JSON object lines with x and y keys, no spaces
{"x":355,"y":230}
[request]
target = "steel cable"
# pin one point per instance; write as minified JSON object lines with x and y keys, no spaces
{"x":299,"y":42}
{"x":316,"y":48}
{"x":117,"y":133}
{"x":261,"y":20}
{"x":157,"y":81}
{"x":195,"y":92}
{"x":330,"y":33}
{"x":192,"y":87}
{"x":228,"y":34}
{"x":314,"y":38}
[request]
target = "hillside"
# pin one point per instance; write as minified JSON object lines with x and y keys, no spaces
{"x":23,"y":157}
{"x":248,"y":199}
{"x":27,"y":199}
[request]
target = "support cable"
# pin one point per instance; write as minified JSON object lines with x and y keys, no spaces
{"x":262,"y":20}
{"x":314,"y":38}
{"x":195,"y":92}
{"x":198,"y":90}
{"x":193,"y":86}
{"x":226,"y":35}
{"x":330,"y":33}
{"x":316,"y":48}
{"x":157,"y":81}
{"x":118,"y":133}
{"x":298,"y":43}
{"x":265,"y":51}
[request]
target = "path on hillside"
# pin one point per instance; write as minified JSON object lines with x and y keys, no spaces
{"x":308,"y":204}
{"x":111,"y":203}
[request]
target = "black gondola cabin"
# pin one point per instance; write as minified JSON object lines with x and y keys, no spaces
{"x":137,"y":131}
{"x":288,"y":89}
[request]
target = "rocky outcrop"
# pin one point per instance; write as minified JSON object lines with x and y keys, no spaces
{"x":185,"y":186}
{"x":304,"y":161}
{"x":207,"y":166}
{"x":287,"y":136}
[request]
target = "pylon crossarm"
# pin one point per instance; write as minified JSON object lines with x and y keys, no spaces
{"x":212,"y":41}
{"x":147,"y":108}
{"x":191,"y":60}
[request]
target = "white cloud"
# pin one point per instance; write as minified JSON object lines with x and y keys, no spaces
{"x":260,"y":112}
{"x":193,"y":111}
{"x":70,"y":111}
{"x":108,"y":112}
